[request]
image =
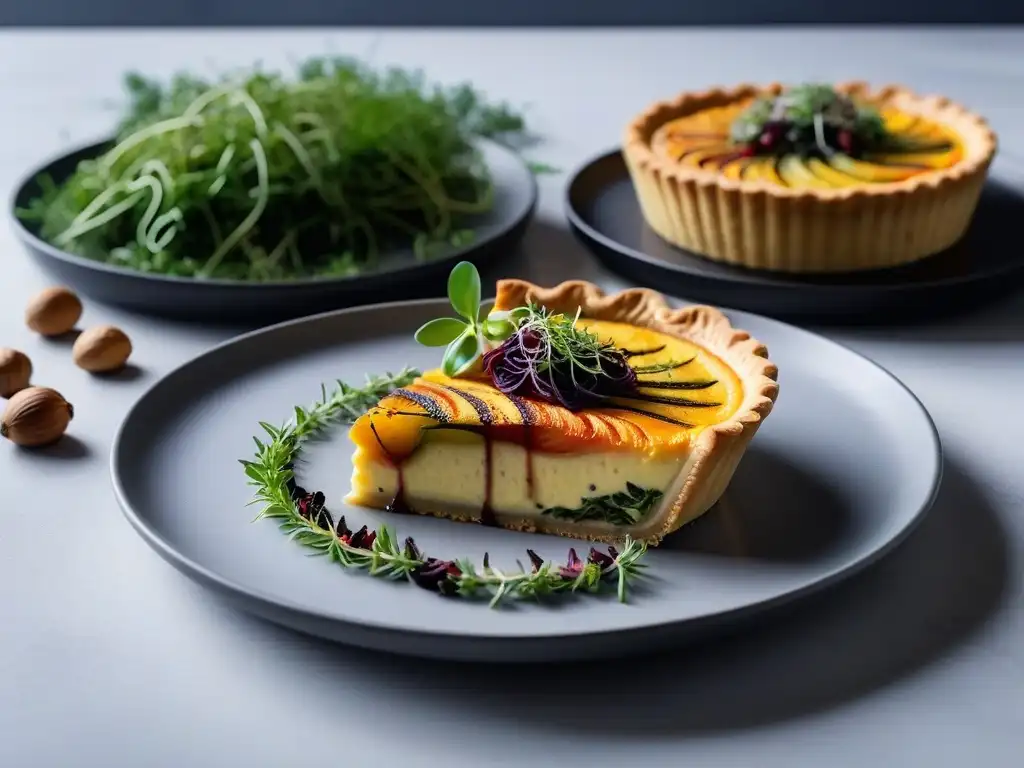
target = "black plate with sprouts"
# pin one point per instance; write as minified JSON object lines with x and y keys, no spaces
{"x":397,"y":273}
{"x":259,"y":195}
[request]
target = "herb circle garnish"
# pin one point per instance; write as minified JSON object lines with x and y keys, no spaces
{"x":303,"y":516}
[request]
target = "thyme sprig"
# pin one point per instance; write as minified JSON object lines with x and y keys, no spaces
{"x":304,"y":517}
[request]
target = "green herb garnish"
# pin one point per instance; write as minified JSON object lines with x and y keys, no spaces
{"x":304,"y":518}
{"x":260,"y":177}
{"x":569,"y":342}
{"x":465,"y":336}
{"x":553,"y":358}
{"x":626,"y":507}
{"x":809,"y":119}
{"x":533,"y":352}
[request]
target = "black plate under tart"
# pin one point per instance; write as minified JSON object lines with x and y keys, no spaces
{"x":604,"y":214}
{"x":398,"y":275}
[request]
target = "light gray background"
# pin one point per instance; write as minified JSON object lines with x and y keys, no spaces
{"x":110,"y":658}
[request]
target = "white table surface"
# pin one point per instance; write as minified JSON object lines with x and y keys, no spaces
{"x":110,"y":658}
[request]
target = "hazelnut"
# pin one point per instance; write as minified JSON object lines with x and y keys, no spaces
{"x":53,"y":311}
{"x":15,"y":371}
{"x":101,"y":349}
{"x":36,"y":416}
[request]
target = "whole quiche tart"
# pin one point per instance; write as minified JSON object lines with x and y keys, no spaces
{"x":813,"y":178}
{"x":595,"y":416}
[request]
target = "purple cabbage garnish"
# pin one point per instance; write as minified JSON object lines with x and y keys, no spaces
{"x":550,"y":358}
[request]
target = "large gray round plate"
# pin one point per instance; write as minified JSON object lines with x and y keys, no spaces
{"x":839,"y":473}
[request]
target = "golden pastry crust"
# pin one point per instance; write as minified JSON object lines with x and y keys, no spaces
{"x":717,"y":449}
{"x":760,"y":225}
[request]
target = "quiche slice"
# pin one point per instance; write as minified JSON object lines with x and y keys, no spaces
{"x":642,"y":460}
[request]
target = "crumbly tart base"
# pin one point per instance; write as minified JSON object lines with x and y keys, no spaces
{"x":757,"y":225}
{"x":706,"y":470}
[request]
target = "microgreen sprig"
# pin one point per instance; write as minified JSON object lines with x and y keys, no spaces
{"x":466,"y":336}
{"x":305,"y":519}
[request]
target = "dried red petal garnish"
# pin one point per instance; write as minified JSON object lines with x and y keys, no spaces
{"x":573,"y":566}
{"x":437,"y":574}
{"x":311,"y":506}
{"x":363,"y":538}
{"x":411,"y":551}
{"x":535,"y":559}
{"x":604,"y":560}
